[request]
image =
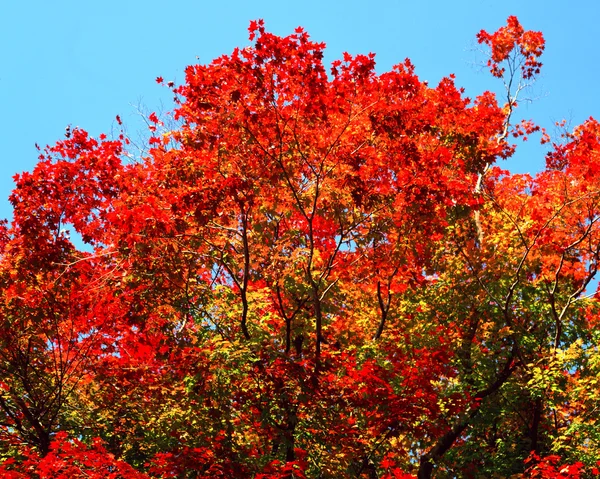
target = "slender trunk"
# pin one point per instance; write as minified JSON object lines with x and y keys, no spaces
{"x":444,"y":443}
{"x":290,"y":438}
{"x":319,"y":325}
{"x":244,"y":289}
{"x":426,"y":463}
{"x":535,"y":425}
{"x":384,"y":307}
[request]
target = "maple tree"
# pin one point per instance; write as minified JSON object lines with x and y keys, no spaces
{"x":307,"y":274}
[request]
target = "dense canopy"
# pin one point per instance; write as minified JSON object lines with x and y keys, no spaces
{"x":307,"y":273}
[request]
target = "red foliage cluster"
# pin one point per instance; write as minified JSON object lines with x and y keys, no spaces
{"x":514,"y":45}
{"x":308,"y":276}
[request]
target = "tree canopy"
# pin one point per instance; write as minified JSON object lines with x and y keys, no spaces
{"x":307,"y":273}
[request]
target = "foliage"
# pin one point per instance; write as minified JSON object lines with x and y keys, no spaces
{"x":308,"y":274}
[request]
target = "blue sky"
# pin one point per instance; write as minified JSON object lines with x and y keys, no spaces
{"x":81,"y":63}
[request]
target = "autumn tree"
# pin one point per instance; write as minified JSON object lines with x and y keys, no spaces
{"x":309,"y":273}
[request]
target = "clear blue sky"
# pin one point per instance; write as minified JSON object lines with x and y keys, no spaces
{"x":81,"y":62}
